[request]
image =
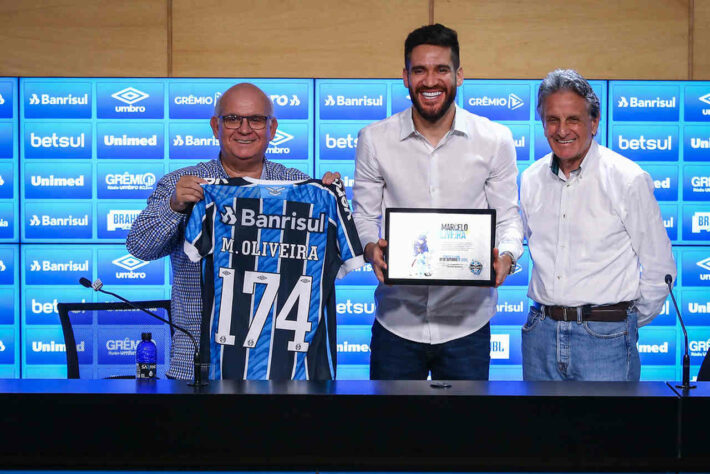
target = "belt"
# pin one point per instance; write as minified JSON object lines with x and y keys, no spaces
{"x":610,"y":313}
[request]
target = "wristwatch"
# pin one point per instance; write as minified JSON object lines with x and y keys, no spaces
{"x":512,"y":260}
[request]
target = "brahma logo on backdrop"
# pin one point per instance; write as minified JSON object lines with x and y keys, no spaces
{"x":497,"y":101}
{"x":58,"y":220}
{"x":657,"y":346}
{"x":697,"y":103}
{"x":695,"y":266}
{"x":338,"y":141}
{"x":116,"y":218}
{"x":127,"y":180}
{"x":645,"y":103}
{"x":354,"y":306}
{"x":7,"y":179}
{"x":7,"y":98}
{"x":352,"y":100}
{"x":696,"y":222}
{"x":290,"y":142}
{"x":129,"y":140}
{"x":646,"y":142}
{"x":665,"y":181}
{"x":116,"y":267}
{"x":118,"y":345}
{"x":56,"y":100}
{"x":698,"y":344}
{"x":669,"y":215}
{"x":142,"y":100}
{"x":696,"y":143}
{"x":354,"y":344}
{"x":696,"y":306}
{"x":57,"y":265}
{"x":57,"y":180}
{"x":46,"y":346}
{"x":7,"y":138}
{"x":696,"y":183}
{"x":57,"y":140}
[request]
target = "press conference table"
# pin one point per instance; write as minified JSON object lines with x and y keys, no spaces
{"x":353,"y":425}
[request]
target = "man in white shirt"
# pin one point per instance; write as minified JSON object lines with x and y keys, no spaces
{"x":599,"y":249}
{"x":434,"y":155}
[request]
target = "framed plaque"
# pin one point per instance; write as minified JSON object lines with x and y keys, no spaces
{"x":440,"y":246}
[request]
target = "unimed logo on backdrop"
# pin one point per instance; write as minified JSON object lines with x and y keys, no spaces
{"x":46,"y":346}
{"x":129,"y":140}
{"x":57,"y":99}
{"x":657,"y":346}
{"x":646,"y":142}
{"x":665,"y":181}
{"x":644,"y":102}
{"x":498,"y":101}
{"x":354,"y":344}
{"x":695,"y":307}
{"x":696,"y":143}
{"x":57,"y":140}
{"x":53,"y":220}
{"x":352,"y":100}
{"x":62,"y":265}
{"x":142,"y":100}
{"x":57,"y":180}
{"x":697,"y":103}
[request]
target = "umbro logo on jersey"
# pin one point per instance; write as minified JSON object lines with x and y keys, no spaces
{"x":275,"y":191}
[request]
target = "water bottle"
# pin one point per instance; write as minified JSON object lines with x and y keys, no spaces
{"x":146,"y":357}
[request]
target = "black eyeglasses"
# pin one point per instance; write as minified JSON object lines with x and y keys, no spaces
{"x":256,"y":122}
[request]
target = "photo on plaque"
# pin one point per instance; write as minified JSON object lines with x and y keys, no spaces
{"x":440,"y":246}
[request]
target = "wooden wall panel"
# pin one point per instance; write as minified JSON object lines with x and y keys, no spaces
{"x":621,"y":39}
{"x":701,"y":40}
{"x":291,"y":38}
{"x":83,"y":38}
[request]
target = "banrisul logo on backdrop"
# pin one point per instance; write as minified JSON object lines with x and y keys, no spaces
{"x":7,"y":266}
{"x":114,"y":219}
{"x":7,"y":220}
{"x":7,"y":177}
{"x":57,"y":180}
{"x":127,"y":180}
{"x":695,"y":267}
{"x":192,"y":141}
{"x":696,"y":183}
{"x":352,"y":100}
{"x":7,"y":99}
{"x":521,"y":139}
{"x":665,"y":181}
{"x":696,"y":222}
{"x":46,"y":346}
{"x":129,"y":140}
{"x":697,"y":103}
{"x":129,"y":100}
{"x":497,"y":101}
{"x":657,"y":346}
{"x":337,"y":141}
{"x":696,"y":143}
{"x":647,"y":103}
{"x":7,"y":135}
{"x":354,"y":344}
{"x":62,"y":265}
{"x":57,"y":140}
{"x":669,"y":214}
{"x":512,"y":307}
{"x":57,"y":99}
{"x":290,"y":99}
{"x":290,"y":142}
{"x":54,"y":220}
{"x":646,"y":142}
{"x":354,"y":306}
{"x":194,"y":100}
{"x":118,"y":267}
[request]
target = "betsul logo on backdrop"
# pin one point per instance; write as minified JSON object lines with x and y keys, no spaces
{"x":129,"y":100}
{"x":498,"y":101}
{"x":337,"y":141}
{"x":57,"y":140}
{"x":57,"y":180}
{"x":129,"y":140}
{"x":644,"y":103}
{"x":62,"y":100}
{"x":352,"y":100}
{"x":646,"y":142}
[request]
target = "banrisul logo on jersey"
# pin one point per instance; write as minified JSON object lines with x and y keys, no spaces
{"x":290,"y":99}
{"x":337,"y":141}
{"x":696,"y":183}
{"x":354,"y":306}
{"x":7,"y":99}
{"x":695,"y":267}
{"x":352,"y":100}
{"x":123,"y":180}
{"x":696,"y":143}
{"x":115,"y":218}
{"x":56,"y":100}
{"x":129,"y":100}
{"x":61,"y":265}
{"x":696,"y":222}
{"x":497,"y":101}
{"x":669,"y":214}
{"x":521,"y":139}
{"x":54,"y":220}
{"x":118,"y":267}
{"x":512,"y":307}
{"x":646,"y":142}
{"x":192,"y":141}
{"x":194,"y":100}
{"x":57,"y":180}
{"x":665,"y":181}
{"x":7,"y":136}
{"x":118,"y":346}
{"x":647,"y":103}
{"x":46,"y":346}
{"x":657,"y":346}
{"x":697,"y":103}
{"x":57,"y":140}
{"x":129,"y":140}
{"x":354,"y":344}
{"x":290,"y":142}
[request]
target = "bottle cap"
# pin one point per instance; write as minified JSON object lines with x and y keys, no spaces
{"x":146,"y":336}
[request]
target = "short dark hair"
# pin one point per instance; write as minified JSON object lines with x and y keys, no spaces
{"x":437,"y":35}
{"x":568,"y":80}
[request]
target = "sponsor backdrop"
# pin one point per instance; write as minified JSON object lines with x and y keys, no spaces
{"x":79,"y":157}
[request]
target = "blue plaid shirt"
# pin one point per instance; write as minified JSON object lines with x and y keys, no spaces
{"x":159,"y":231}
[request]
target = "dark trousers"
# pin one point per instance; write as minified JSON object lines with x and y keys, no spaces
{"x":396,"y":358}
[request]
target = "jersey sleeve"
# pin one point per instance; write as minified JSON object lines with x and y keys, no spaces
{"x":348,"y":241}
{"x":199,"y":232}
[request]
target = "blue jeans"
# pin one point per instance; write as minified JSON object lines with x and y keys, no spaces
{"x":396,"y":358}
{"x":576,"y":350}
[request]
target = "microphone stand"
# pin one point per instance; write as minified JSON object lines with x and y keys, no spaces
{"x":197,"y":373}
{"x":686,"y":357}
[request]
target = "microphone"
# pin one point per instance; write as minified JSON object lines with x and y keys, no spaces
{"x":686,"y":357}
{"x":197,"y":381}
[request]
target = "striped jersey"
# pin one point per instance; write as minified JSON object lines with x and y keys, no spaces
{"x":271,"y":251}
